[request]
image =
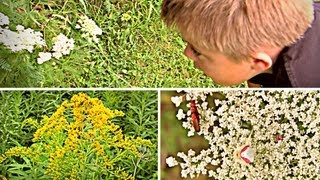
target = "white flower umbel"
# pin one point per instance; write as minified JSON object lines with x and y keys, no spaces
{"x":4,"y":20}
{"x":255,"y":135}
{"x":89,"y":28}
{"x":176,"y":100}
{"x":43,"y":57}
{"x":19,"y":28}
{"x":23,"y":39}
{"x":180,"y":114}
{"x":171,"y":161}
{"x":62,"y":46}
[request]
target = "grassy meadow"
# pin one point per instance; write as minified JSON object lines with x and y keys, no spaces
{"x":135,"y":49}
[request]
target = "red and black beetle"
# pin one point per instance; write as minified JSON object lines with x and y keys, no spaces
{"x":195,"y":116}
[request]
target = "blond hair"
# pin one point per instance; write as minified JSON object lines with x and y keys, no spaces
{"x":238,"y":27}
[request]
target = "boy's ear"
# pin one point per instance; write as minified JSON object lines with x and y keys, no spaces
{"x":261,"y":61}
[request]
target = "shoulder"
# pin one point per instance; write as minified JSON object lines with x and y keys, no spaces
{"x":302,"y":59}
{"x":317,"y":5}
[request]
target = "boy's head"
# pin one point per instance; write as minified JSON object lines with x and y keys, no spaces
{"x":232,"y":41}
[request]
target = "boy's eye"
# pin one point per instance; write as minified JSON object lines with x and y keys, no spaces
{"x":195,"y":52}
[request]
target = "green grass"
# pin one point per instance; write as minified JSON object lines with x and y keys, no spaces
{"x":140,"y":52}
{"x":140,"y":120}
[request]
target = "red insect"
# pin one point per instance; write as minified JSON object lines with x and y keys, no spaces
{"x":278,"y":138}
{"x":195,"y":116}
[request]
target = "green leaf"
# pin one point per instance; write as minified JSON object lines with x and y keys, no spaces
{"x":84,"y":5}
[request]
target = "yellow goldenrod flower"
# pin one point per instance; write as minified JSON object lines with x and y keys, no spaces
{"x":78,"y":133}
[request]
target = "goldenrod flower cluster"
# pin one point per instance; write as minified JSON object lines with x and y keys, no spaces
{"x":79,"y":137}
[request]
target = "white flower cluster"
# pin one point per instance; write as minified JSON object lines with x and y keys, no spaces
{"x":23,"y":39}
{"x":62,"y":46}
{"x":27,"y":39}
{"x":281,"y":127}
{"x":89,"y":28}
{"x":176,"y":100}
{"x":43,"y":57}
{"x":4,"y":20}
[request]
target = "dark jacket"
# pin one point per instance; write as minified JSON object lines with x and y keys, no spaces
{"x":299,"y":64}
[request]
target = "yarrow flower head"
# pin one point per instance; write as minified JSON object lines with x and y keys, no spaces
{"x":171,"y":161}
{"x":180,"y":114}
{"x":254,"y":135}
{"x":89,"y":28}
{"x":19,"y":28}
{"x":176,"y":100}
{"x":43,"y":57}
{"x":23,"y":39}
{"x":62,"y":46}
{"x":4,"y":20}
